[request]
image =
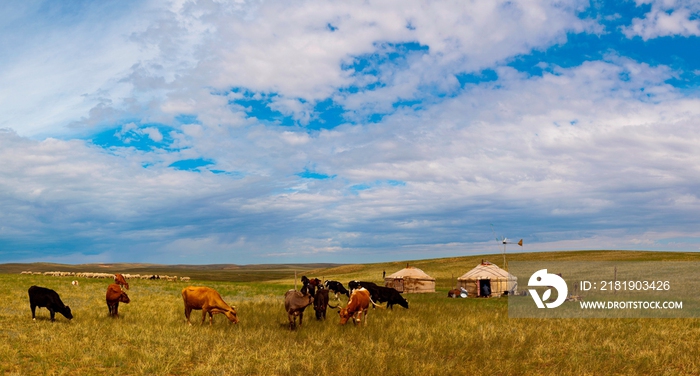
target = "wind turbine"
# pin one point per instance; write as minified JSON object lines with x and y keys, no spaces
{"x":504,"y":241}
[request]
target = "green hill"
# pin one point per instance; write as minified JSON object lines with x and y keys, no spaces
{"x":442,"y":269}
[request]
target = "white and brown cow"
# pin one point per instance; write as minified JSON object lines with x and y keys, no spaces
{"x":356,"y":308}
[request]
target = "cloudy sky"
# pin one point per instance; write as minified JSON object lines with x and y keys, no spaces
{"x":346,"y":131}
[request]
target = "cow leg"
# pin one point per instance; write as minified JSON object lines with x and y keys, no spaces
{"x":292,"y":321}
{"x":116,"y":309}
{"x":204,"y":315}
{"x":301,"y":317}
{"x":33,"y":312}
{"x":211,"y":318}
{"x":188,"y":310}
{"x":53,"y":313}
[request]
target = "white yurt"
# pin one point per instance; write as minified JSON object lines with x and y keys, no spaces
{"x":487,"y":279}
{"x":410,"y":280}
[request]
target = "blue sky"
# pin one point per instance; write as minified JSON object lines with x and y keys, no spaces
{"x":318,"y":131}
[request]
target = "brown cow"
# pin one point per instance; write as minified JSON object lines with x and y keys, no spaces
{"x":356,"y":308}
{"x":209,"y":301}
{"x":114,"y":296}
{"x":121,"y":281}
{"x":321,"y":303}
{"x":295,"y":303}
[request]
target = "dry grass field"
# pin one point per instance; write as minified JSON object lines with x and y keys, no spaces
{"x":435,"y":336}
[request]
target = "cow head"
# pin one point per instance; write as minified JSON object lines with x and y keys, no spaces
{"x":67,"y":313}
{"x":124,"y":298}
{"x":232,"y":315}
{"x":344,"y":316}
{"x":343,"y":313}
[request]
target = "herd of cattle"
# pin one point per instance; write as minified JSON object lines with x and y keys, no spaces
{"x":361,"y":295}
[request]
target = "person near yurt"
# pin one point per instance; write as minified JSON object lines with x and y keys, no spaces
{"x":486,"y":280}
{"x":410,"y":280}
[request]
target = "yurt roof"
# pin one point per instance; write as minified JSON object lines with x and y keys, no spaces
{"x":487,"y":270}
{"x":411,"y":272}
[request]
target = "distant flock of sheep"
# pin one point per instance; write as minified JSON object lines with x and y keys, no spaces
{"x":107,"y":275}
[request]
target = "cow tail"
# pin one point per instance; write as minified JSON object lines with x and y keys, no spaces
{"x":376,"y":304}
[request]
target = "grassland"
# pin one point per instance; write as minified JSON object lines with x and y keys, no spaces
{"x":436,"y":336}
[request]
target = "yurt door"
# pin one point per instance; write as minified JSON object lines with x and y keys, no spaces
{"x":485,"y":287}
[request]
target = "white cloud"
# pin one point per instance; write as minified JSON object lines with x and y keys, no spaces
{"x":63,"y":63}
{"x":153,"y":133}
{"x":163,"y":55}
{"x":666,"y":18}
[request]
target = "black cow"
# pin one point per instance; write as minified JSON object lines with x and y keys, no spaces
{"x":321,"y":303}
{"x":337,"y":288}
{"x":389,"y":295}
{"x":43,"y":297}
{"x":370,"y":286}
{"x":306,"y":287}
{"x":380,"y":294}
{"x":357,"y":284}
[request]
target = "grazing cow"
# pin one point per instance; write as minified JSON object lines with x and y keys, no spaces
{"x":209,"y":301}
{"x":74,"y":283}
{"x":357,"y":284}
{"x":390,"y":296}
{"x":113,"y":297}
{"x":371,"y":286}
{"x":121,"y":281}
{"x":43,"y":297}
{"x":321,"y":303}
{"x":454,"y":293}
{"x":381,"y":294}
{"x":295,"y":303}
{"x":356,"y":308}
{"x":337,"y":288}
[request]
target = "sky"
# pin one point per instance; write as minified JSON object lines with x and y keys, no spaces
{"x":200,"y":132}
